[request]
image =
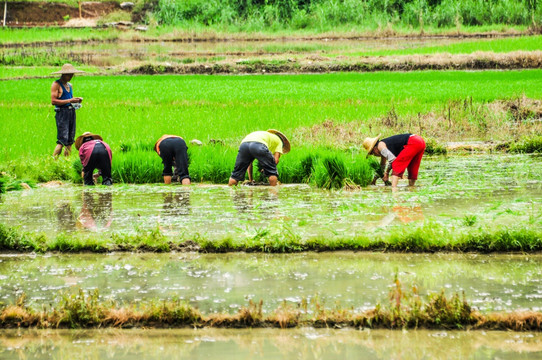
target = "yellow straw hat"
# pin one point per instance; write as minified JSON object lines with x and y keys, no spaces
{"x":67,"y":69}
{"x":369,"y":144}
{"x":285,"y":142}
{"x":79,"y":140}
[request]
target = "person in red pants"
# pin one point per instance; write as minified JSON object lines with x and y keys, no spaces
{"x":397,"y":154}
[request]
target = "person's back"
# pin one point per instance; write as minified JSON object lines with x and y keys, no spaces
{"x":272,"y":141}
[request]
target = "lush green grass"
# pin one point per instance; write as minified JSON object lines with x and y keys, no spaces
{"x":52,"y":34}
{"x":430,"y":237}
{"x":169,"y":32}
{"x":524,"y":43}
{"x":325,"y":14}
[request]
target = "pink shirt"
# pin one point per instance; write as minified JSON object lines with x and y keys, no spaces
{"x":86,"y":150}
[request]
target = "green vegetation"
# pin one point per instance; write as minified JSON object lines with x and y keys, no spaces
{"x":331,"y":111}
{"x":405,"y":310}
{"x":327,"y":14}
{"x":523,"y":43}
{"x":429,"y":238}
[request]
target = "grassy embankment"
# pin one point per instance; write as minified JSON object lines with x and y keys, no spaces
{"x":323,"y":115}
{"x":405,"y":310}
{"x":430,"y":237}
{"x":517,"y":52}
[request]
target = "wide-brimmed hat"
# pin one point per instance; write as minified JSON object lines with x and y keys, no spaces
{"x":68,"y":69}
{"x":369,"y":144}
{"x":285,"y":142}
{"x":79,"y":140}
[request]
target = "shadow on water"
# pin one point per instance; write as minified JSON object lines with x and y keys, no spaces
{"x":305,"y":343}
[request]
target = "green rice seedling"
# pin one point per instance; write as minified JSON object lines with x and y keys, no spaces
{"x":212,"y":163}
{"x":136,"y":146}
{"x":359,"y":170}
{"x":330,"y":172}
{"x":527,"y":145}
{"x":136,"y":167}
{"x":432,"y":147}
{"x":7,"y":183}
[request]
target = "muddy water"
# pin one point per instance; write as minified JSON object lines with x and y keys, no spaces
{"x":117,"y":53}
{"x":462,"y":193}
{"x":267,"y":344}
{"x":225,"y":282}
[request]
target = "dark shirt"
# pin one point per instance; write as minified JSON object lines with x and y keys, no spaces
{"x":396,"y":143}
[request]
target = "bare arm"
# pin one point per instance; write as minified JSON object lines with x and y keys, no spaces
{"x":277,"y":157}
{"x":56,"y":92}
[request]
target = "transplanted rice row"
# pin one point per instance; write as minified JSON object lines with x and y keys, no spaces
{"x":405,"y":310}
{"x":427,"y":238}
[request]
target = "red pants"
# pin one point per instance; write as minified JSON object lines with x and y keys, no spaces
{"x":409,"y":158}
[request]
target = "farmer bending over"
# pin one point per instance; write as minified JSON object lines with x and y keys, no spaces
{"x":266,"y":146}
{"x":63,"y":100}
{"x":172,"y":149}
{"x":94,"y":154}
{"x":401,"y":152}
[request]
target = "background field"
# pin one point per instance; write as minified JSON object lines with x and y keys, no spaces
{"x":140,"y":109}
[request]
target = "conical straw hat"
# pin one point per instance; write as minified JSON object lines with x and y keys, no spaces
{"x":369,"y":144}
{"x":79,"y":140}
{"x":68,"y":69}
{"x":285,"y":142}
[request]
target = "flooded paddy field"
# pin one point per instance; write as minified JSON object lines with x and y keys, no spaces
{"x":118,"y":53}
{"x":457,"y":193}
{"x":226,"y":282}
{"x":304,"y":343}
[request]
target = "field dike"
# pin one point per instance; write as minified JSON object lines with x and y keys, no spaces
{"x":475,"y":61}
{"x":427,"y":238}
{"x":405,"y":310}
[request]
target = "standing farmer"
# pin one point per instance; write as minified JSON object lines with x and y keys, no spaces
{"x":401,"y":152}
{"x":267,"y":147}
{"x":63,"y":100}
{"x":173,"y":151}
{"x":94,"y":154}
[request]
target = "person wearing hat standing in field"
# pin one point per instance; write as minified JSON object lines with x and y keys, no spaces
{"x":397,"y":154}
{"x":267,"y":147}
{"x":173,"y":151}
{"x":65,"y":105}
{"x":94,"y":154}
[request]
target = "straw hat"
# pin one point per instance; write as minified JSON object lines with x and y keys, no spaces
{"x":79,"y":140}
{"x":67,"y":69}
{"x":369,"y":144}
{"x":285,"y":142}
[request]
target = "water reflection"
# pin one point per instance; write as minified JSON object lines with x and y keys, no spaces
{"x":97,"y":211}
{"x":262,"y":200}
{"x":304,"y":343}
{"x":224,"y":282}
{"x":216,"y":212}
{"x":66,"y":216}
{"x":176,"y":204}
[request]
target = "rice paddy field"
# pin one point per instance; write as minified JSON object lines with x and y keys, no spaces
{"x":323,"y":265}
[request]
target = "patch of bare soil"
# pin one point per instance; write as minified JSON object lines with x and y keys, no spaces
{"x":39,"y":13}
{"x":81,"y":22}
